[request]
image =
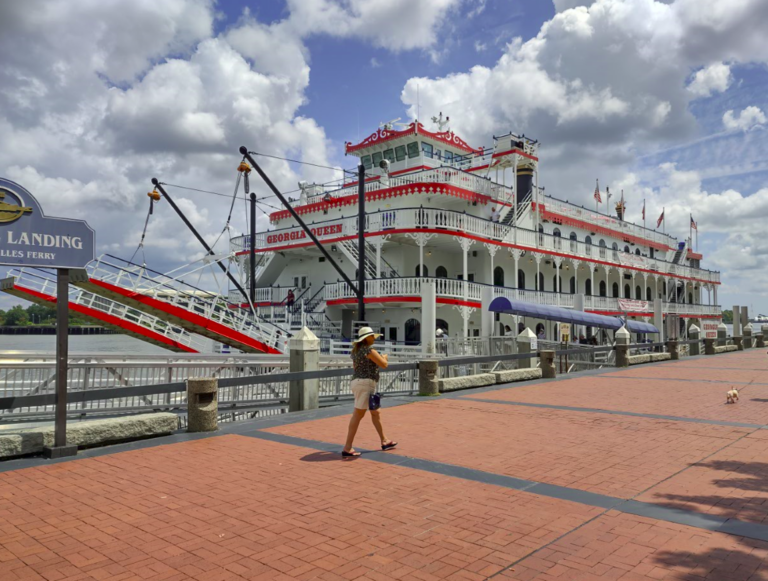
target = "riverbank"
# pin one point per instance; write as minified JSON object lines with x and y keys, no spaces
{"x":51,"y":330}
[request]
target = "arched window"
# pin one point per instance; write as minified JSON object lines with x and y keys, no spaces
{"x":441,"y":324}
{"x":627,"y":250}
{"x":627,"y":292}
{"x":615,"y":248}
{"x":541,"y":234}
{"x":412,"y":332}
{"x":588,"y":288}
{"x":541,"y":281}
{"x":639,"y":293}
{"x":637,"y":251}
{"x":520,"y":327}
{"x":441,"y":272}
{"x":648,"y":294}
{"x":426,"y":270}
{"x":615,"y":289}
{"x":498,"y":276}
{"x":573,"y":285}
{"x":520,"y":278}
{"x":602,"y":289}
{"x":602,"y":249}
{"x":540,"y":332}
{"x":556,"y":232}
{"x":690,"y":298}
{"x":557,"y":285}
{"x":588,"y":240}
{"x":574,"y":241}
{"x":602,"y":244}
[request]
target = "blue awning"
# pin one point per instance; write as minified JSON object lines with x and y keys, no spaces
{"x":559,"y":314}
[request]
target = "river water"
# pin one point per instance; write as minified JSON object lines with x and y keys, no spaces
{"x":81,"y":344}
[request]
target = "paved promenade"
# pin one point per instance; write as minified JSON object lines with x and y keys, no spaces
{"x":642,"y":474}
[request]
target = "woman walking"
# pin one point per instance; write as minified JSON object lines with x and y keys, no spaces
{"x":366,"y":362}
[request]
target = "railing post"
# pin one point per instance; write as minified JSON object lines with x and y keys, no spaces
{"x":304,"y":350}
{"x":694,"y":333}
{"x":722,"y":334}
{"x":428,"y":375}
{"x":709,"y":346}
{"x":672,"y":349}
{"x":738,"y":341}
{"x":547,"y":364}
{"x":622,"y":347}
{"x":748,"y":336}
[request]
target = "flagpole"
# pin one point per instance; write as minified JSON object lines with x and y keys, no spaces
{"x":690,"y":228}
{"x":643,"y":212}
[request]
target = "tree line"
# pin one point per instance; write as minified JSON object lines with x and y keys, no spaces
{"x":34,"y":315}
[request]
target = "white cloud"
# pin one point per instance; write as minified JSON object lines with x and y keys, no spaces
{"x":480,"y":46}
{"x":375,"y":64}
{"x":749,"y":118}
{"x":395,"y":24}
{"x":716,"y":78}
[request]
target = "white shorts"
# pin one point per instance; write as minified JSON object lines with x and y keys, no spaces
{"x":362,"y":389}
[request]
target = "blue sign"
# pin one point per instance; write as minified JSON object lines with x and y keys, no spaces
{"x":29,"y":238}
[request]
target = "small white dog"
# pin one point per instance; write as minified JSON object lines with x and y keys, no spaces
{"x":731,"y":396}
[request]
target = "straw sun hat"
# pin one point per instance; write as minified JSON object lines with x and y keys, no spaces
{"x":365,"y":332}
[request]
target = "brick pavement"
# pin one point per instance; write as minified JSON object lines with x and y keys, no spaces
{"x":238,"y":507}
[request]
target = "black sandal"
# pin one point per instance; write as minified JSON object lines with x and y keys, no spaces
{"x":388,"y":446}
{"x":346,"y":454}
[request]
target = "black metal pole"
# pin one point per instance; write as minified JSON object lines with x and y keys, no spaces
{"x":361,"y":242}
{"x":252,"y":250}
{"x":328,"y":257}
{"x":62,"y":356}
{"x":200,"y":239}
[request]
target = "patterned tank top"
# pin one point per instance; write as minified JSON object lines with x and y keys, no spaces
{"x":364,"y":368}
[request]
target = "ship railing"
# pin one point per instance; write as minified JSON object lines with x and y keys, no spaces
{"x":106,"y":385}
{"x":453,"y":221}
{"x":440,"y":175}
{"x":569,"y":210}
{"x":47,"y":286}
{"x":208,"y":304}
{"x":407,"y":287}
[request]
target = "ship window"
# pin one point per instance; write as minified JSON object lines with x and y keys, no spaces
{"x":366,"y":161}
{"x":448,"y":155}
{"x":627,"y":292}
{"x":627,"y":250}
{"x":389,"y":154}
{"x":588,"y":240}
{"x":637,"y":251}
{"x":556,"y":232}
{"x":438,"y":154}
{"x":377,"y":157}
{"x":648,"y":294}
{"x":413,"y":149}
{"x":441,"y":272}
{"x":638,"y":293}
{"x":400,"y":152}
{"x":426,"y":148}
{"x":615,"y":289}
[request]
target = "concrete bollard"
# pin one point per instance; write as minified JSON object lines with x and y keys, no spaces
{"x":202,"y":404}
{"x":304,"y":355}
{"x":547,"y":364}
{"x":709,"y":346}
{"x":759,"y":341}
{"x":722,"y":335}
{"x":622,"y":347}
{"x":748,"y":336}
{"x":526,"y":343}
{"x":739,"y":342}
{"x":764,"y":330}
{"x":428,"y":375}
{"x":674,"y":354}
{"x":694,"y":334}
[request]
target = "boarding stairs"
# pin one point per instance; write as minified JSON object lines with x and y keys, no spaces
{"x":172,"y":300}
{"x":508,"y":218}
{"x":350,"y":249}
{"x":672,"y":285}
{"x":40,"y":287}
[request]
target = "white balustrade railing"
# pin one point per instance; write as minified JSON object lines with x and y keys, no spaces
{"x":207,"y":304}
{"x":452,"y":221}
{"x":590,"y":217}
{"x":534,"y":296}
{"x":407,"y":286}
{"x":107,"y":306}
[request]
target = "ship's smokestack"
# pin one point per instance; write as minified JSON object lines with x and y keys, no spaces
{"x":524,"y":182}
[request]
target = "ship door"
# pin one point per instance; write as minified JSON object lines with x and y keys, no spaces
{"x":389,"y":333}
{"x":300,"y":281}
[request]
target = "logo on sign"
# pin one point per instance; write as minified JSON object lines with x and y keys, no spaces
{"x":11,"y":212}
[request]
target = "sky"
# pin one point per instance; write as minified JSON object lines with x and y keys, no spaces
{"x":665,"y":99}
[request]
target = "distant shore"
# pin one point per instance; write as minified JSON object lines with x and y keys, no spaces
{"x":51,"y":330}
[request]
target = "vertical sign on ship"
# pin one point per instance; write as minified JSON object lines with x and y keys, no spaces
{"x":29,"y":238}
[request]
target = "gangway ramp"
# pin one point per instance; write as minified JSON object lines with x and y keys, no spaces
{"x":198,"y":311}
{"x":41,"y":289}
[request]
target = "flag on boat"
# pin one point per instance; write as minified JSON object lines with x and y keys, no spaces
{"x":643,"y":209}
{"x":660,"y":220}
{"x":693,"y":224}
{"x":597,"y":192}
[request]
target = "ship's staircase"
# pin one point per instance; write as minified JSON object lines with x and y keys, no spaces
{"x":508,"y":217}
{"x":349,"y":248}
{"x":39,"y":287}
{"x":678,"y":258}
{"x":172,"y":300}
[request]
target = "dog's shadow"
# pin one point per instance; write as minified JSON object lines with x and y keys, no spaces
{"x":762,"y":400}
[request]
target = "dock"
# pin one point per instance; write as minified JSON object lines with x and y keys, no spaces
{"x":639,"y":473}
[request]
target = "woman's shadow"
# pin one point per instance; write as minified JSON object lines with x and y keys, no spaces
{"x":326,"y":457}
